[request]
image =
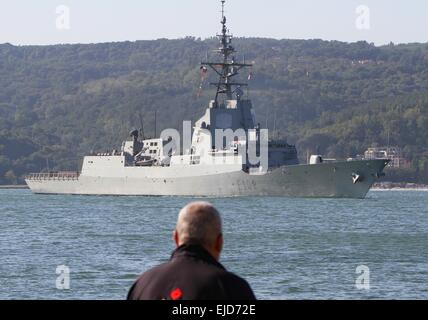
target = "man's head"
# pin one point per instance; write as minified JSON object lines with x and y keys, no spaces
{"x":200,"y":223}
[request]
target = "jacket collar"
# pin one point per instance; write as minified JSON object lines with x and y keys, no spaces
{"x":195,"y":251}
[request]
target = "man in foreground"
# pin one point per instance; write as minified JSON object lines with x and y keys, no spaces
{"x":193,"y":272}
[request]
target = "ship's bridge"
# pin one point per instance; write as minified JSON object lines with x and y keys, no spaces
{"x":232,"y":114}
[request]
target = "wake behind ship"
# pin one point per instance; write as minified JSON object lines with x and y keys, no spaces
{"x":150,"y":167}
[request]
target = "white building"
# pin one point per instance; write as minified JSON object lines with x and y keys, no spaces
{"x":392,"y":153}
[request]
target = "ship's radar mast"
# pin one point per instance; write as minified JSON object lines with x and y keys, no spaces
{"x":227,"y":69}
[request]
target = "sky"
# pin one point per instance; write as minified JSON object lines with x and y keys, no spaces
{"x":41,"y":22}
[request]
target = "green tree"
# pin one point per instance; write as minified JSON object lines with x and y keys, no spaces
{"x":10,"y":177}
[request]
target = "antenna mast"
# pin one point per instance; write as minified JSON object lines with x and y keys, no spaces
{"x":141,"y":126}
{"x":227,"y":68}
{"x":155,"y":124}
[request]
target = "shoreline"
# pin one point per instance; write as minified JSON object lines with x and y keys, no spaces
{"x":398,"y":189}
{"x":398,"y":186}
{"x":23,"y":186}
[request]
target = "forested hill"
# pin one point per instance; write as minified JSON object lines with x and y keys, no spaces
{"x":58,"y":103}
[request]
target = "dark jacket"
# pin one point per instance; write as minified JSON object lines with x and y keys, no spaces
{"x":191,"y":274}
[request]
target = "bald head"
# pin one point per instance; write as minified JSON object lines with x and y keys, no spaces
{"x":199,"y":223}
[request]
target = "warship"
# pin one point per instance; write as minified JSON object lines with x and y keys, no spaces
{"x":206,"y":168}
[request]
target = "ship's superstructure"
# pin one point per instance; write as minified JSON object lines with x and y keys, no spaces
{"x":210,"y":165}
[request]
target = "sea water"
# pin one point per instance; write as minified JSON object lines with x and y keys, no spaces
{"x":376,"y":248}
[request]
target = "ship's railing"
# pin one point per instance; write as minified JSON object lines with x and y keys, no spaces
{"x":66,"y":175}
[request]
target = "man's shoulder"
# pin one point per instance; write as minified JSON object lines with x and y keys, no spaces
{"x":195,"y":277}
{"x":237,"y":287}
{"x":147,"y":279}
{"x":159,"y":269}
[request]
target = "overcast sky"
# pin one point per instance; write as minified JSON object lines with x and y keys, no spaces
{"x":37,"y":21}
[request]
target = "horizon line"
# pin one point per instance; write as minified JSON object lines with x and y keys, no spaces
{"x":210,"y":38}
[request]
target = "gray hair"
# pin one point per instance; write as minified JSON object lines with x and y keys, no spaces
{"x":199,"y":223}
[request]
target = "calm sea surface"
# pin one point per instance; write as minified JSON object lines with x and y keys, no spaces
{"x":285,"y":248}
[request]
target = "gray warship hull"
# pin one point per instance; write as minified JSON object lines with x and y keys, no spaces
{"x":324,"y":180}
